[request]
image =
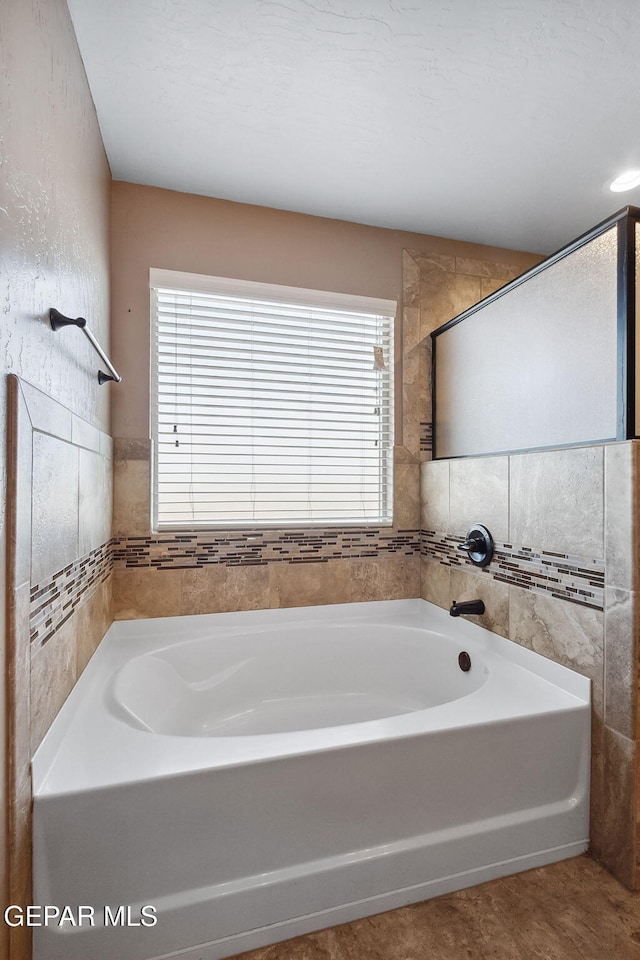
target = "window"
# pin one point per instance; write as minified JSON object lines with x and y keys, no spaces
{"x":270,"y":405}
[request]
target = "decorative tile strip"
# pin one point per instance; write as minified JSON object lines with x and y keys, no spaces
{"x":576,"y":579}
{"x":173,"y":551}
{"x":426,"y":436}
{"x":54,"y":600}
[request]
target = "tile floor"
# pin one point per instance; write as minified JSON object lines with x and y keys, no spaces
{"x":573,"y":910}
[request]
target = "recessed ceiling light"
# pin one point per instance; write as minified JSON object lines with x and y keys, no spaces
{"x":626,"y":181}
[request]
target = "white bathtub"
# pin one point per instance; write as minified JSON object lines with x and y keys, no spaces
{"x":258,"y":775}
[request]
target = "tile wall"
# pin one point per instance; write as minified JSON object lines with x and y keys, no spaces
{"x":59,"y":585}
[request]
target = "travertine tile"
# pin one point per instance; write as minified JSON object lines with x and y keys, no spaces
{"x":410,"y":280}
{"x":54,"y":529}
{"x":410,"y":329}
{"x":486,"y":268}
{"x":53,"y":674}
{"x":468,"y":583}
{"x":556,"y":501}
{"x":46,"y":414}
{"x":434,"y":494}
{"x":308,"y":584}
{"x":131,"y":498}
{"x":570,"y":634}
{"x":435,"y":583}
{"x":621,"y":662}
{"x":216,"y":588}
{"x":84,"y":434}
{"x":91,"y":621}
{"x":479,"y":492}
{"x":19,"y":486}
{"x":146,"y":592}
{"x":621,"y":515}
{"x":125,"y":448}
{"x":382,"y":578}
{"x":490,"y":286}
{"x":94,"y":506}
{"x":19,"y":683}
{"x":619,"y":828}
{"x":433,"y":262}
{"x":444,"y":296}
{"x":410,"y":419}
{"x":425,"y":400}
{"x":20,"y":856}
{"x":598,"y":834}
{"x":406,"y":496}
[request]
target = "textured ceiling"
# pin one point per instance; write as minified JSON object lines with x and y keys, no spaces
{"x":495,"y":121}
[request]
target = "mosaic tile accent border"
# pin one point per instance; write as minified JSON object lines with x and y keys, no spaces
{"x":576,"y":579}
{"x":426,"y":436}
{"x":52,"y":602}
{"x":178,"y":551}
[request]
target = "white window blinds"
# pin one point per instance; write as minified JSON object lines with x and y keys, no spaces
{"x":271,"y":405}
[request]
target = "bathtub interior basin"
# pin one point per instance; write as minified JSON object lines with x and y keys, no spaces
{"x":288,"y":678}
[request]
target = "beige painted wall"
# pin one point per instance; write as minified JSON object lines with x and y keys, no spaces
{"x":179,"y":231}
{"x":54,"y":222}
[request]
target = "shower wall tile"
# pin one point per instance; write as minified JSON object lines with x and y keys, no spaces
{"x":434,"y":495}
{"x":411,"y":334}
{"x":410,"y":280}
{"x":389,"y":578}
{"x":486,"y":268}
{"x":84,"y":434}
{"x":139,"y":593}
{"x":54,"y":530}
{"x":131,"y":497}
{"x":490,"y":286}
{"x":46,"y":415}
{"x":53,"y":674}
{"x":19,"y":683}
{"x":570,"y":634}
{"x":597,"y":799}
{"x":465,"y":585}
{"x":621,"y":662}
{"x":155,"y":592}
{"x":92,"y":620}
{"x":620,"y":504}
{"x":435,"y":583}
{"x":618,"y":831}
{"x":429,"y":262}
{"x":222,"y":589}
{"x":59,"y":518}
{"x":127,"y":449}
{"x":445,"y":295}
{"x":406,"y":493}
{"x":94,"y":515}
{"x":479,"y":492}
{"x":302,"y":585}
{"x":411,"y":417}
{"x":556,"y":499}
{"x":19,"y":492}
